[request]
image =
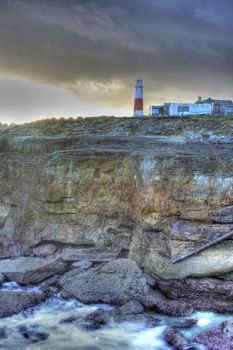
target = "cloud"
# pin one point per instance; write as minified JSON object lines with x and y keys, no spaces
{"x":96,"y":48}
{"x":22,"y":100}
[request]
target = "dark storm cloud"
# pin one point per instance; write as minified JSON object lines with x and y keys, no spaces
{"x":178,"y":46}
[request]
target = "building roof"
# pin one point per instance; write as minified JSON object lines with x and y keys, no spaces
{"x":218,"y":102}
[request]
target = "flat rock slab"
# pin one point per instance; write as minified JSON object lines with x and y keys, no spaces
{"x":116,"y":282}
{"x":26,"y":270}
{"x":90,"y":254}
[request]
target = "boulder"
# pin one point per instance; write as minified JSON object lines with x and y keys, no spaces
{"x":33,"y":333}
{"x":184,"y":236}
{"x":131,"y":308}
{"x":90,"y":254}
{"x":116,"y":282}
{"x":182,"y":323}
{"x":26,"y":270}
{"x":220,"y":337}
{"x":174,"y":308}
{"x":152,"y":253}
{"x":177,"y":340}
{"x":91,"y":321}
{"x":209,"y":294}
{"x":13,"y":302}
{"x":44,"y":250}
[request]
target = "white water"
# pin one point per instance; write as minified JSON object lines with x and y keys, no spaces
{"x":114,"y":336}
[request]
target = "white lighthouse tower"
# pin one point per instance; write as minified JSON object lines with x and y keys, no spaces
{"x":138,"y":101}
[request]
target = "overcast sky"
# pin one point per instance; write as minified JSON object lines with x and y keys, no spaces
{"x":81,"y":57}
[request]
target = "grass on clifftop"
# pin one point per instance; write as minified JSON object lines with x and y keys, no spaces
{"x":125,"y":126}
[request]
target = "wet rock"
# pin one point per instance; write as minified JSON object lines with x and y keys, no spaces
{"x":177,"y":340}
{"x":2,"y":278}
{"x":91,"y":254}
{"x":26,"y":270}
{"x":96,"y":319}
{"x":220,"y":337}
{"x":92,"y":321}
{"x":149,"y":321}
{"x":13,"y":302}
{"x":182,"y":323}
{"x":174,"y":308}
{"x":116,"y":283}
{"x":131,"y":307}
{"x":206,"y":294}
{"x":33,"y":333}
{"x":4,"y":333}
{"x":44,"y":250}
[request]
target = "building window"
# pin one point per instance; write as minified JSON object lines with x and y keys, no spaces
{"x":183,"y":108}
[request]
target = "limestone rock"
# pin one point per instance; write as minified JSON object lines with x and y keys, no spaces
{"x":44,"y":250}
{"x":220,"y":337}
{"x":26,"y":270}
{"x":221,"y":215}
{"x":83,"y":264}
{"x":90,"y":254}
{"x":208,"y":294}
{"x":131,"y":307}
{"x":153,"y":254}
{"x":177,"y":340}
{"x":13,"y":302}
{"x":174,"y":308}
{"x":91,"y":321}
{"x":116,"y":282}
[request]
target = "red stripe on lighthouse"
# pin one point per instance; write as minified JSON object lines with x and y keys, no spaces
{"x":138,"y":104}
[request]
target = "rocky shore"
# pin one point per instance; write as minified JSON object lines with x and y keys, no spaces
{"x":97,"y":209}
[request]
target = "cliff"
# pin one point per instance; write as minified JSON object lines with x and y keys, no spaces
{"x":147,"y":189}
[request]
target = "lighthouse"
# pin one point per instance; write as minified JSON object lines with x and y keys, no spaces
{"x":138,"y":101}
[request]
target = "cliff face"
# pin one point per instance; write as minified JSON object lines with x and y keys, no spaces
{"x":150,"y":189}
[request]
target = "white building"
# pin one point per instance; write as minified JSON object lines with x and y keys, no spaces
{"x":187,"y":109}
